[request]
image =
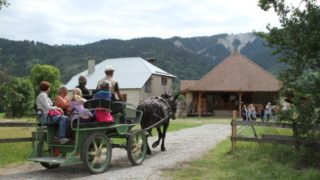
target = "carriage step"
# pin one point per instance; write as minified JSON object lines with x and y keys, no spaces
{"x":63,"y":145}
{"x":55,"y":160}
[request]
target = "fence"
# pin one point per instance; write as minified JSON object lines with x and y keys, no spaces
{"x":265,"y":138}
{"x":17,"y":124}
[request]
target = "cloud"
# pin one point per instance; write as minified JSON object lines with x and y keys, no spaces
{"x":80,"y":22}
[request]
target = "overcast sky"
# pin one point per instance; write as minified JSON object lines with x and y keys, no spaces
{"x":84,"y":21}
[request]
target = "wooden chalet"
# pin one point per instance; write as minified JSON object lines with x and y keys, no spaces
{"x":235,"y":81}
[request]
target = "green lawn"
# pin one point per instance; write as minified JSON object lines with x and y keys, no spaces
{"x":182,"y":123}
{"x":14,"y":152}
{"x":248,"y":161}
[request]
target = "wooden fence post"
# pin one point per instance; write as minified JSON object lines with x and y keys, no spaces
{"x":233,"y":129}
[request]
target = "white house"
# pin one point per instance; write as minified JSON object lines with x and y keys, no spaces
{"x":137,"y":78}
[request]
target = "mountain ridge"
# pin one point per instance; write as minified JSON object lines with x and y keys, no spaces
{"x":187,"y":58}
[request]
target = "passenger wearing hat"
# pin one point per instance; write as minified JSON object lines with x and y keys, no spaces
{"x":109,"y":70}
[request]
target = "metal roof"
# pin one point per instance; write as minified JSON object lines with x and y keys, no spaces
{"x":131,"y":73}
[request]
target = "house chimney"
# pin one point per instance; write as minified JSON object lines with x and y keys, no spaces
{"x":152,"y":60}
{"x":91,"y":65}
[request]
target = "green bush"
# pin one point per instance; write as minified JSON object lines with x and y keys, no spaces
{"x":19,"y":95}
{"x":43,"y":72}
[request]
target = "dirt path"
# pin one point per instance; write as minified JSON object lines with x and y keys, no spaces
{"x":182,"y":146}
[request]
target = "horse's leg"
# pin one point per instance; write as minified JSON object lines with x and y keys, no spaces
{"x":165,"y":126}
{"x":148,"y":148}
{"x":156,"y":143}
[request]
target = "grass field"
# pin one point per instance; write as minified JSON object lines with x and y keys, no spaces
{"x":248,"y":161}
{"x":14,"y":152}
{"x":18,"y":152}
{"x":182,"y":123}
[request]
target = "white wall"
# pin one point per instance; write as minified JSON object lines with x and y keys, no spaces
{"x":133,"y":95}
{"x":156,"y":88}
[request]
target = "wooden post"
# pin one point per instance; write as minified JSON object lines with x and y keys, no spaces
{"x":240,"y":103}
{"x":199,"y":105}
{"x":234,"y":130}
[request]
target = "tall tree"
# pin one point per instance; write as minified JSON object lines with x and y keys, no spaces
{"x":298,"y":41}
{"x":43,"y":72}
{"x":5,"y":78}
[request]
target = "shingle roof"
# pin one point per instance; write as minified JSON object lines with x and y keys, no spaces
{"x":238,"y":74}
{"x":131,"y":73}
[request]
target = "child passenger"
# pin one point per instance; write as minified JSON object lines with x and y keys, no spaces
{"x":76,"y":105}
{"x":104,"y":93}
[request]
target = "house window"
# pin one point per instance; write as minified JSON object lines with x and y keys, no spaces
{"x":164,"y":81}
{"x":147,"y":87}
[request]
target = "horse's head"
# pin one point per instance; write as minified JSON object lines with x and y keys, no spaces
{"x":172,"y":100}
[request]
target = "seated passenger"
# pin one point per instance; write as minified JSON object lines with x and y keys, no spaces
{"x":62,"y":100}
{"x":103,"y":93}
{"x":44,"y":103}
{"x":82,"y":86}
{"x":76,"y":105}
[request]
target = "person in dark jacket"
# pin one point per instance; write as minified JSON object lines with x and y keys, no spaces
{"x":82,"y":86}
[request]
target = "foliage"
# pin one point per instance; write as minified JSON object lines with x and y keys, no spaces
{"x":298,"y":40}
{"x":3,"y":3}
{"x":18,"y":96}
{"x":5,"y":78}
{"x":45,"y":73}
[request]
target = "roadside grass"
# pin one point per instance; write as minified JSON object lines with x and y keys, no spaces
{"x":14,"y":152}
{"x":11,"y":153}
{"x":248,"y":161}
{"x":183,"y":123}
{"x":24,"y":119}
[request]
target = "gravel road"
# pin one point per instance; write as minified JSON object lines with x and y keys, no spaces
{"x":181,"y":146}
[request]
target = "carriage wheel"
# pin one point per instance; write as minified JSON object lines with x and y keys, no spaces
{"x":96,"y":153}
{"x":42,"y":149}
{"x":137,"y":147}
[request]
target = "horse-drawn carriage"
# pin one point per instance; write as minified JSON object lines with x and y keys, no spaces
{"x":93,"y":142}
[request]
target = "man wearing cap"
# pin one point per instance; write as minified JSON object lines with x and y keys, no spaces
{"x":114,"y":84}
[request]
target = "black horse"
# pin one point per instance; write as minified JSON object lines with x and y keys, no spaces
{"x":157,"y":112}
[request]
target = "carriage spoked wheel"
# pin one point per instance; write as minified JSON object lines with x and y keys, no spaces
{"x":96,"y":153}
{"x":137,"y":147}
{"x":43,"y":149}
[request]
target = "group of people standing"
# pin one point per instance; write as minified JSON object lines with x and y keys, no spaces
{"x":66,"y":109}
{"x":249,"y":113}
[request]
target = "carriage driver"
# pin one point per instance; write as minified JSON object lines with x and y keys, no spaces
{"x":109,"y":70}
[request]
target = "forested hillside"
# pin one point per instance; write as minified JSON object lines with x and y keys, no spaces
{"x":187,"y":58}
